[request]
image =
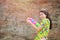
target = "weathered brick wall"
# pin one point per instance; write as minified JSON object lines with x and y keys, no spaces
{"x":13,"y":14}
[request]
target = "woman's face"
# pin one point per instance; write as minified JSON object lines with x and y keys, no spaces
{"x":42,"y":15}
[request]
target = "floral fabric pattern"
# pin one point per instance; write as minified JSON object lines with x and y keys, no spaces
{"x":43,"y":33}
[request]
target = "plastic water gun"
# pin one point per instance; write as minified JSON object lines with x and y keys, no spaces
{"x":34,"y":22}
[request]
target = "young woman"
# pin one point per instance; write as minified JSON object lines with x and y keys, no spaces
{"x":43,"y":30}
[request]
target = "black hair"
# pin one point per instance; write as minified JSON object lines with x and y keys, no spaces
{"x":47,"y":13}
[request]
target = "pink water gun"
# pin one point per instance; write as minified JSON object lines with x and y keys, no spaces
{"x":34,"y":22}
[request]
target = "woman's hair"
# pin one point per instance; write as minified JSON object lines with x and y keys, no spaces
{"x":47,"y":16}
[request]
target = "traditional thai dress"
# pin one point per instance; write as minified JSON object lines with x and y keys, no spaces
{"x":43,"y":33}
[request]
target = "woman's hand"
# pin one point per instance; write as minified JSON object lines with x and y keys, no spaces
{"x":28,"y":21}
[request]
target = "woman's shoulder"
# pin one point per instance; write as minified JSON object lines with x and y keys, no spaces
{"x":46,"y":20}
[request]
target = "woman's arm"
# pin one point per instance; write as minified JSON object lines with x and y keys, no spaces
{"x":32,"y":24}
{"x":37,"y":28}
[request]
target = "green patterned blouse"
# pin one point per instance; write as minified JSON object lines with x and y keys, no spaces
{"x":43,"y":33}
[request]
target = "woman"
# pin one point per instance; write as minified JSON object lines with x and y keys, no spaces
{"x":43,"y":30}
